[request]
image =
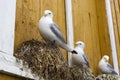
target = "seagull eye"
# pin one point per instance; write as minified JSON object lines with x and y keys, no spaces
{"x":49,"y":13}
{"x":80,"y":43}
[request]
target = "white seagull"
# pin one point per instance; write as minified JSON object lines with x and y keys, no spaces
{"x":50,"y":31}
{"x":105,"y":67}
{"x":80,"y":59}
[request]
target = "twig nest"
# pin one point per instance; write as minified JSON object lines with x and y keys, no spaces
{"x":79,"y":73}
{"x":46,"y":61}
{"x":107,"y":77}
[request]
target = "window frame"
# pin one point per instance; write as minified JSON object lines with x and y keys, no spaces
{"x":10,"y":64}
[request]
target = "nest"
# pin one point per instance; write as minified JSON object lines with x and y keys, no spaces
{"x":107,"y":77}
{"x":79,"y":73}
{"x":47,"y":62}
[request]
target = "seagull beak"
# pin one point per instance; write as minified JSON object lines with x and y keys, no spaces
{"x":45,"y":15}
{"x":74,"y":43}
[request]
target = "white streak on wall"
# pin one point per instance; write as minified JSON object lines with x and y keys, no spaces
{"x":112,"y":37}
{"x":70,"y":36}
{"x":7,"y":25}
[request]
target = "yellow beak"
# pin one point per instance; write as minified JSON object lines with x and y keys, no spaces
{"x":45,"y":15}
{"x":75,"y":43}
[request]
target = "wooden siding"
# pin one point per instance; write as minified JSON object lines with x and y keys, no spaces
{"x":8,"y":77}
{"x":27,"y":17}
{"x":89,"y":23}
{"x":90,"y":26}
{"x":116,"y":22}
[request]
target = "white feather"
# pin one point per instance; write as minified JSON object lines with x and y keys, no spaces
{"x":53,"y":34}
{"x":80,"y":59}
{"x":105,"y":67}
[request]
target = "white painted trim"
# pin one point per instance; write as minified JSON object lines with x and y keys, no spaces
{"x":8,"y":63}
{"x":15,"y":67}
{"x":7,"y":23}
{"x":69,"y":22}
{"x":112,"y":37}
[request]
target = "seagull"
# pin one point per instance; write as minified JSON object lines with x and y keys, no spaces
{"x":105,"y":67}
{"x":51,"y":32}
{"x":80,"y":59}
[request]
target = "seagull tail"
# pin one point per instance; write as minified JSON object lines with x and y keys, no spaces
{"x":74,"y":52}
{"x":69,"y":49}
{"x":113,"y":72}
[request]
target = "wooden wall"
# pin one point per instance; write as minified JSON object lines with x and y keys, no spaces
{"x":90,"y":26}
{"x":27,"y":17}
{"x":89,"y":23}
{"x":8,"y":77}
{"x":116,"y":21}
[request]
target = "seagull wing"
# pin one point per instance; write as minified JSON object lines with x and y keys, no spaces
{"x":111,"y":69}
{"x":57,"y":32}
{"x":86,"y":60}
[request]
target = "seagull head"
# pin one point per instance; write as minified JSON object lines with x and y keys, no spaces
{"x":80,"y":44}
{"x":48,"y":13}
{"x":105,"y":58}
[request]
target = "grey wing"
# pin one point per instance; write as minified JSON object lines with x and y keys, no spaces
{"x":57,"y":32}
{"x":86,"y":60}
{"x":111,"y":69}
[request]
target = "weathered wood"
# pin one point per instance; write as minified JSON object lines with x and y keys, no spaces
{"x":8,"y":77}
{"x":27,"y":17}
{"x":116,"y":22}
{"x":90,"y":26}
{"x":104,"y":37}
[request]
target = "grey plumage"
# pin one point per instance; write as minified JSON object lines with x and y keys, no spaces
{"x":105,"y":67}
{"x":85,"y":58}
{"x":50,"y":31}
{"x":57,"y":32}
{"x":80,"y":59}
{"x":111,"y":69}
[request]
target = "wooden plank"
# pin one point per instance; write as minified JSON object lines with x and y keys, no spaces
{"x":85,"y":29}
{"x":34,"y":16}
{"x":88,"y":40}
{"x":104,"y":37}
{"x":119,"y":4}
{"x":95,"y":40}
{"x":75,"y":20}
{"x":61,"y":21}
{"x":117,"y":14}
{"x":27,"y":17}
{"x":116,"y":30}
{"x":18,"y":22}
{"x":78,"y":20}
{"x":8,"y":77}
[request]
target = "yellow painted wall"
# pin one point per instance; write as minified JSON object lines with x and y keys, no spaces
{"x":90,"y":26}
{"x":116,"y":21}
{"x":104,"y":37}
{"x":27,"y":17}
{"x":8,"y":77}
